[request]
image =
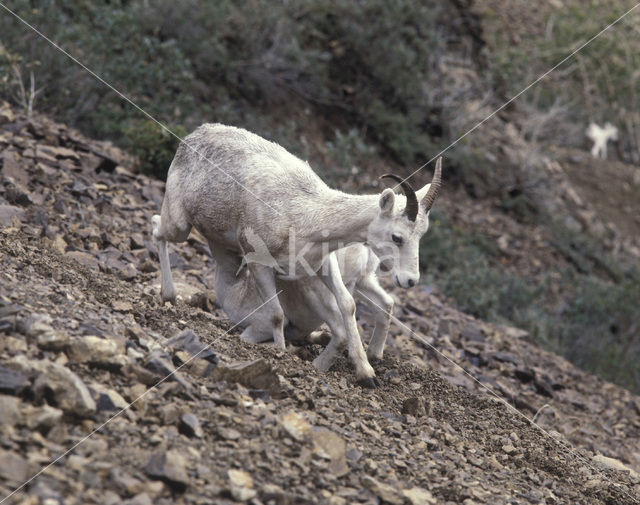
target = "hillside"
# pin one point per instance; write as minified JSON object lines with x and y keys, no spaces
{"x":84,"y":333}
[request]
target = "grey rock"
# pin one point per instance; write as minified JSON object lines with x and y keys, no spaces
{"x":52,"y":341}
{"x":139,"y":499}
{"x":256,"y":374}
{"x":42,"y":418}
{"x":329,"y":445}
{"x":66,"y":389}
{"x":190,"y":426}
{"x":92,"y":349}
{"x":9,"y":410}
{"x":11,"y":381}
{"x":170,"y":467}
{"x":385,"y":492}
{"x":109,"y":400}
{"x":160,"y":364}
{"x":14,"y":469}
{"x":419,"y":496}
{"x":7,"y":212}
{"x":241,"y":485}
{"x":414,"y":406}
{"x":188,"y":341}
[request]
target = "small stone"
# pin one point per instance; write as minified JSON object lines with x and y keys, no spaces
{"x":201,"y":300}
{"x":256,"y":374}
{"x":383,"y":491}
{"x":418,"y":496}
{"x":129,"y":272}
{"x":8,"y":212}
{"x":67,"y":389}
{"x":139,"y":499}
{"x":11,"y":381}
{"x":188,"y":341}
{"x":241,"y":485}
{"x":121,"y":306}
{"x":6,"y":114}
{"x":14,"y":469}
{"x":170,"y":467}
{"x":414,"y":406}
{"x":52,"y":340}
{"x":329,"y":445}
{"x":160,"y":364}
{"x":59,"y":244}
{"x":84,"y":258}
{"x":614,"y":464}
{"x":229,"y":433}
{"x":9,"y":410}
{"x":509,"y":448}
{"x":110,"y":400}
{"x":126,"y":483}
{"x":190,"y":426}
{"x":42,"y":418}
{"x":295,"y":425}
{"x":92,"y":349}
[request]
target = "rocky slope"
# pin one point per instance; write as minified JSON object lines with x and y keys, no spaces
{"x":82,"y":334}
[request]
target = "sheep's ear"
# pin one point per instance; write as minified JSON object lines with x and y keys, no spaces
{"x":387,"y":200}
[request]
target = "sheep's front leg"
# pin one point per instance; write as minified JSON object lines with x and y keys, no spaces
{"x":266,"y":283}
{"x":332,"y":278}
{"x":373,"y":295}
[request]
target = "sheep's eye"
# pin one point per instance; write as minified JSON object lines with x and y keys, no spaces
{"x":397,"y":239}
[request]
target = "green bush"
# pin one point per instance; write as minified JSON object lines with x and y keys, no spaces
{"x":596,"y":328}
{"x":237,"y":62}
{"x":596,"y":84}
{"x":153,"y":146}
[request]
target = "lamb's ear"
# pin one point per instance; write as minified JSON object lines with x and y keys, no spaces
{"x":387,"y":200}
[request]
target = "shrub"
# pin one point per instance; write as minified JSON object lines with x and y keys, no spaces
{"x":153,"y":147}
{"x":597,"y":325}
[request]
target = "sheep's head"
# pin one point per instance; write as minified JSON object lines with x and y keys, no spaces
{"x":395,"y":233}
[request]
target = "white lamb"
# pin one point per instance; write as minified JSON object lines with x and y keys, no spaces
{"x":307,"y":303}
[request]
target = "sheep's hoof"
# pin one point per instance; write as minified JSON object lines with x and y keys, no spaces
{"x":368,"y":383}
{"x":374,"y":358}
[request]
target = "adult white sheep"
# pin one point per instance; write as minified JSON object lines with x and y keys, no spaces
{"x":226,"y":181}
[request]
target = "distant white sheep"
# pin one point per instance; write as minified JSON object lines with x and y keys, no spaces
{"x":600,"y":136}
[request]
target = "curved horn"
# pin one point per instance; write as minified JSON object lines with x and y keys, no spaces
{"x":434,"y":189}
{"x":411,"y":210}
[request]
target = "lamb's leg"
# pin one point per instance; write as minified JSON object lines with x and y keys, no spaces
{"x":347,"y":306}
{"x":165,"y":229}
{"x":372,"y":293}
{"x":265,"y":280}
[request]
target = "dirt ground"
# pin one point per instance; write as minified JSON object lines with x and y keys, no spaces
{"x":83,"y":333}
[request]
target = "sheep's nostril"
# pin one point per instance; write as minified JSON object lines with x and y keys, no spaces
{"x":411,"y":283}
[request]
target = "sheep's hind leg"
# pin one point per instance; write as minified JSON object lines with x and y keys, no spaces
{"x":164,"y":230}
{"x":266,"y":283}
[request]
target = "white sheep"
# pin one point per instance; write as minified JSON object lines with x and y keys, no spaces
{"x":307,"y":303}
{"x":227,"y":182}
{"x":600,"y":136}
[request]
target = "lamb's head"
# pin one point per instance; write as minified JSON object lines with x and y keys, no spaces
{"x":395,"y":233}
